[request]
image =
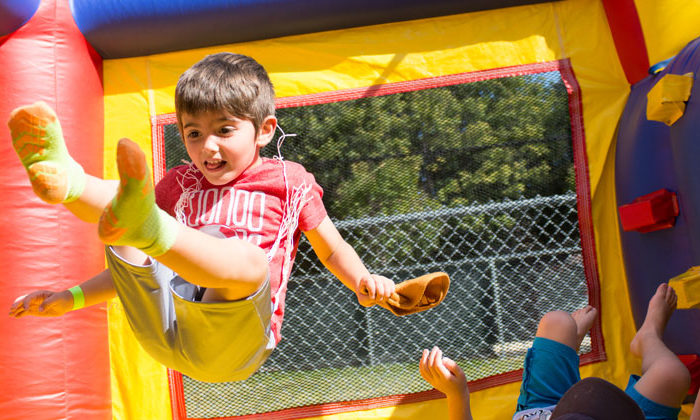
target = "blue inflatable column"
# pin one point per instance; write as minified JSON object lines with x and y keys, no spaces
{"x":652,"y":156}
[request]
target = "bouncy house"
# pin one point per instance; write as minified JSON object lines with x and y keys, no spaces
{"x":540,"y":153}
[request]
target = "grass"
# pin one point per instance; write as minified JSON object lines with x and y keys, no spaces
{"x":274,"y":391}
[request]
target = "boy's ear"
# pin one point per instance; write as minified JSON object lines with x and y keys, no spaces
{"x":267,"y":131}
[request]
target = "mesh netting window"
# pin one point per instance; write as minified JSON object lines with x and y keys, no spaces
{"x":474,"y":178}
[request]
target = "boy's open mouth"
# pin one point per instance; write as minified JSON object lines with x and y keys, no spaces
{"x":213,"y":165}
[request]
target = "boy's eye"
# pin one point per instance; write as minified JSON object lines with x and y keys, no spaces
{"x":192,"y":134}
{"x":226,"y":130}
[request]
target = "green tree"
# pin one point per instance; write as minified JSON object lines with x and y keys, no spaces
{"x":449,"y":146}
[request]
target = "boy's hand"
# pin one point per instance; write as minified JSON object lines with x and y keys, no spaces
{"x":443,"y":374}
{"x":42,"y":303}
{"x":374,"y":289}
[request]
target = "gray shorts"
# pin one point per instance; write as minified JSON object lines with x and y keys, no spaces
{"x":207,"y":341}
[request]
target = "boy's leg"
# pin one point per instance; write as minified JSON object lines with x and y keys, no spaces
{"x":551,"y":364}
{"x":233,"y":268}
{"x":91,"y":203}
{"x":665,"y":379}
{"x":565,"y":328}
{"x":55,"y":177}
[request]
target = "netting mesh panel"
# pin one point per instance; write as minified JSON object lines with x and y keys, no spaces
{"x":476,"y":180}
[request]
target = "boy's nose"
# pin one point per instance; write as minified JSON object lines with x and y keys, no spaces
{"x":211,"y":143}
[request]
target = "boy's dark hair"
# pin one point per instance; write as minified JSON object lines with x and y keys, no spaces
{"x":596,"y":399}
{"x":225,"y":81}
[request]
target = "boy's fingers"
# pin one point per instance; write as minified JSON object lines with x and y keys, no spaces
{"x":452,"y":367}
{"x":440,"y":366}
{"x":392,"y":288}
{"x":379,"y":290}
{"x":27,"y":304}
{"x":368,"y":288}
{"x":423,"y":361}
{"x":432,"y":361}
{"x":18,"y":311}
{"x":449,"y":364}
{"x":423,"y":357}
{"x":444,"y":372}
{"x":425,"y":367}
{"x":429,"y":359}
{"x":18,"y":301}
{"x":17,"y":306}
{"x":388,"y":287}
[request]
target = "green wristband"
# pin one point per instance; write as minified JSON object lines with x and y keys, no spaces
{"x":78,"y":297}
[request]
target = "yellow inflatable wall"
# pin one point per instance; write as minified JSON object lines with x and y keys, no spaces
{"x":137,"y":89}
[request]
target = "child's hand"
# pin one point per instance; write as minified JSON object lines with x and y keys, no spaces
{"x":374,"y":289}
{"x":42,"y":303}
{"x":443,"y":374}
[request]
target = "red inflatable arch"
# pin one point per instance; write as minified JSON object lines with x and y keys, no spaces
{"x":58,"y":367}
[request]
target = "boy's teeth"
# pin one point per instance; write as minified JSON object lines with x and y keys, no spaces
{"x":214,"y":164}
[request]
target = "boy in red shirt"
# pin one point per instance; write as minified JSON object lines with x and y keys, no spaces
{"x":201,"y":262}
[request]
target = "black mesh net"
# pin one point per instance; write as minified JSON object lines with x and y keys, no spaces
{"x":474,"y":179}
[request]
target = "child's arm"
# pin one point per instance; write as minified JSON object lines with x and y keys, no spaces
{"x":47,"y":303}
{"x":695,"y":414}
{"x":447,"y":377}
{"x":342,"y":260}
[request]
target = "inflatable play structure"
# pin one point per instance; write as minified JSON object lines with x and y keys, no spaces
{"x":625,"y":72}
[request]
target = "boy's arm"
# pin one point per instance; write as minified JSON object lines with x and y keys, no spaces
{"x":447,"y":377}
{"x":341,"y":259}
{"x":97,"y":289}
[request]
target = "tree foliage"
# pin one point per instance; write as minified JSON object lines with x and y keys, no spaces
{"x":491,"y":140}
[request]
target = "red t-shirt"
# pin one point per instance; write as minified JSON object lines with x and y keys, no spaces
{"x":251,"y":207}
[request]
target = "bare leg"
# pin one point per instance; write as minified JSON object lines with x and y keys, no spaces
{"x":232,"y":268}
{"x":96,"y":195}
{"x":695,"y":414}
{"x":584,"y":317}
{"x":665,"y":380}
{"x":565,"y":328}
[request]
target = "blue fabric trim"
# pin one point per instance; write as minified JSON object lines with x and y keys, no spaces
{"x":134,"y":28}
{"x":660,"y":66}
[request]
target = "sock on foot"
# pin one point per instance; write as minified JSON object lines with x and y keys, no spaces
{"x":38,"y":140}
{"x":133,"y":218}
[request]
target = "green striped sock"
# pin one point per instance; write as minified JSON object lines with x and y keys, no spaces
{"x":38,"y":140}
{"x":133,"y":218}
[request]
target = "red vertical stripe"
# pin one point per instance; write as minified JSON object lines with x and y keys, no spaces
{"x":627,"y":34}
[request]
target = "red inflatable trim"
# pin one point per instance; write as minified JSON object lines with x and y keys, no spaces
{"x":626,"y":29}
{"x":597,"y":352}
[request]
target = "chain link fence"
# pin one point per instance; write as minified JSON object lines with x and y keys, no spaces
{"x":335,"y":350}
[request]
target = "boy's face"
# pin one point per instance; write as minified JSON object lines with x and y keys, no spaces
{"x":222,"y":146}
